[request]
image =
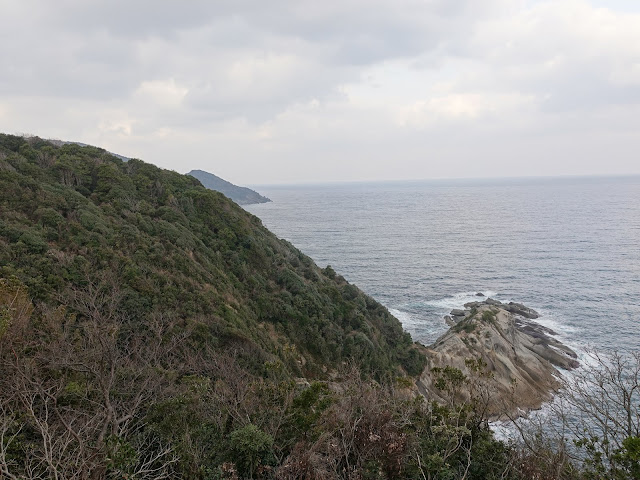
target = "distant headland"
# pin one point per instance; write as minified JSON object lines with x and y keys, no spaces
{"x":240,"y":195}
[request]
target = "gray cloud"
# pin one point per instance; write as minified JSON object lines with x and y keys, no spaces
{"x":77,"y":47}
{"x":304,"y":90}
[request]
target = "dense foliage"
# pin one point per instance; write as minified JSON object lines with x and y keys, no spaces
{"x":72,"y":215}
{"x":140,"y":280}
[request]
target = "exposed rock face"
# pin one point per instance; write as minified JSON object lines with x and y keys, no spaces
{"x":521,"y":355}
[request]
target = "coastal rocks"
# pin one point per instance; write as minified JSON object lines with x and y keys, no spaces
{"x":548,"y":347}
{"x":457,"y":312}
{"x":520,"y":309}
{"x":480,"y":294}
{"x":520,"y":358}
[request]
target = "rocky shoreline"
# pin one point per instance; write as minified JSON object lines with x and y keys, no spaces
{"x":520,"y":358}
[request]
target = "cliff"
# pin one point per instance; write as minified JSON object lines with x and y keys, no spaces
{"x":503,"y":352}
{"x":240,"y":195}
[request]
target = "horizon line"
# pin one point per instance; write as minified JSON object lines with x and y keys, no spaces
{"x":444,"y":179}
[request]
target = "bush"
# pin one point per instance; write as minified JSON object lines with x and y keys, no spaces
{"x":488,"y":316}
{"x":250,"y":448}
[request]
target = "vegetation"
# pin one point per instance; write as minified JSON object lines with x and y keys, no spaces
{"x":466,"y":325}
{"x":489,"y":316}
{"x":74,"y":218}
{"x":151,"y":328}
{"x":593,"y":424}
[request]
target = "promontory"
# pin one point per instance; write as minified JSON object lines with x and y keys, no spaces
{"x":513,"y":360}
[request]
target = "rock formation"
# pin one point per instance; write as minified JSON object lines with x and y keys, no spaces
{"x":521,"y":356}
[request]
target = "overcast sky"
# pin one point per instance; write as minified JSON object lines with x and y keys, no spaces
{"x":295,"y":91}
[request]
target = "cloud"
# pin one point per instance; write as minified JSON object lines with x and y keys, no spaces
{"x":570,"y":55}
{"x":317,"y":90}
{"x":106,"y":49}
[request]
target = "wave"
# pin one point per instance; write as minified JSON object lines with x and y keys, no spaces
{"x":423,"y":330}
{"x":567,"y":334}
{"x":457,"y":300}
{"x":406,"y":318}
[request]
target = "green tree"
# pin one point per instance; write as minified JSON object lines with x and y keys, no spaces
{"x":250,"y":448}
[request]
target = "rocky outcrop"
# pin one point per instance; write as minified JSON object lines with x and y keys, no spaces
{"x":520,"y":358}
{"x":512,"y":307}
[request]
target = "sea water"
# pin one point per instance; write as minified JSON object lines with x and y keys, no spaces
{"x":567,"y":247}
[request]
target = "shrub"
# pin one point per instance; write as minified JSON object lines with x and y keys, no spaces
{"x":250,"y":448}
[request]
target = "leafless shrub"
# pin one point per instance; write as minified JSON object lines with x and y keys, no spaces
{"x":80,"y":384}
{"x":362,"y":429}
{"x":589,"y":423}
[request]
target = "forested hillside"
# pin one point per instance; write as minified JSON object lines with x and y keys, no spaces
{"x":124,"y":283}
{"x":75,"y":218}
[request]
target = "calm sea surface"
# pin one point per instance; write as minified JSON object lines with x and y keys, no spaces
{"x":568,"y":247}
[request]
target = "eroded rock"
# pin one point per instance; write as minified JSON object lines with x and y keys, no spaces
{"x":522,"y":356}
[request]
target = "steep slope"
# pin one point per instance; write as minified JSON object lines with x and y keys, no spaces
{"x":240,"y":195}
{"x":145,"y":320}
{"x":72,"y":213}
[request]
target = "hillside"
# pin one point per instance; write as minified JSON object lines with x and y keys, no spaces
{"x":60,"y":143}
{"x":240,"y":195}
{"x":73,"y":214}
{"x":136,"y":285}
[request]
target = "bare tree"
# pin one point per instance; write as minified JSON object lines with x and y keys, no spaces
{"x":593,"y":424}
{"x":82,"y":383}
{"x":363,"y":425}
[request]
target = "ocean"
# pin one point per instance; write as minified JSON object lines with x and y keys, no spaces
{"x":568,"y":247}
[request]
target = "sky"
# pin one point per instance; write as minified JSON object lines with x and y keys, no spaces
{"x":306,"y":91}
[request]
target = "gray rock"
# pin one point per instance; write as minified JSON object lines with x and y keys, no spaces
{"x":520,"y":309}
{"x":532,"y":328}
{"x":554,"y":357}
{"x":456,"y":312}
{"x":473,"y":304}
{"x":480,"y":294}
{"x":513,"y":348}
